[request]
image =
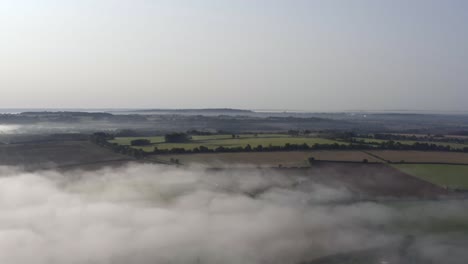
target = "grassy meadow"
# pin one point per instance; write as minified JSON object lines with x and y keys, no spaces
{"x":453,"y":176}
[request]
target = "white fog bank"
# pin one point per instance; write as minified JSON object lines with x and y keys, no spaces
{"x":151,"y":214}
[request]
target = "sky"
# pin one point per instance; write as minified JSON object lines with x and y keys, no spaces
{"x":311,"y":55}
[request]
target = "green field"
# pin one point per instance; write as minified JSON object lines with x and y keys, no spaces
{"x":411,"y":142}
{"x":453,"y":176}
{"x":214,"y":141}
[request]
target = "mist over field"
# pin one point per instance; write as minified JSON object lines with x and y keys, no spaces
{"x":234,"y":131}
{"x":8,"y":128}
{"x":156,"y":214}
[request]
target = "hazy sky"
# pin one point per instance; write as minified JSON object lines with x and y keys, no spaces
{"x":258,"y":54}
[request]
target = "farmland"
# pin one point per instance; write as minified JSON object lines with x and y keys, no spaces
{"x":431,"y":166}
{"x":227,"y":141}
{"x":345,"y":179}
{"x":369,"y":180}
{"x":45,"y":155}
{"x":411,"y":142}
{"x":269,"y":159}
{"x":453,"y":176}
{"x":444,"y":175}
{"x":421,"y":156}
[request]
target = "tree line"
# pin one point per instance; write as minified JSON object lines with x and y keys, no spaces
{"x":428,"y":137}
{"x":102,"y":139}
{"x":297,"y":147}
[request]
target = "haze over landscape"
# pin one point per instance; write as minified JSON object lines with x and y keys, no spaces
{"x":325,"y":55}
{"x":233,"y":131}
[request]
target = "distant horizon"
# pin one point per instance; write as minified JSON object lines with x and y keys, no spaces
{"x":110,"y":109}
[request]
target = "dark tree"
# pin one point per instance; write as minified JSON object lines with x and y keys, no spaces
{"x":177,"y":138}
{"x":248,"y":148}
{"x":204,"y":149}
{"x":140,"y":142}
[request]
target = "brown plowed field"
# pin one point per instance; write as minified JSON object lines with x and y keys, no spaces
{"x":376,"y":180}
{"x":270,"y":159}
{"x":45,"y":155}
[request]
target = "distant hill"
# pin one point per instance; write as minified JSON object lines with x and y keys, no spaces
{"x":216,"y":111}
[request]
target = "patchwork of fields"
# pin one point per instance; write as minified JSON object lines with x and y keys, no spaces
{"x":442,"y":173}
{"x":214,"y":141}
{"x":341,"y":163}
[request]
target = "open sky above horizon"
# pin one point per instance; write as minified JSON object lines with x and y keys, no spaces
{"x":327,"y":55}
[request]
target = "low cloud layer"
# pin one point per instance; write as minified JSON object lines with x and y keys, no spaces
{"x":152,"y":214}
{"x":8,"y":128}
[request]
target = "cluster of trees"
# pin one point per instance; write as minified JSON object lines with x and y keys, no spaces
{"x":293,"y":132}
{"x":415,"y":146}
{"x":398,"y":137}
{"x":140,"y":142}
{"x":312,"y":160}
{"x":177,"y":138}
{"x":340,"y":135}
{"x":423,"y":146}
{"x":435,"y":138}
{"x":102,"y":139}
